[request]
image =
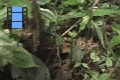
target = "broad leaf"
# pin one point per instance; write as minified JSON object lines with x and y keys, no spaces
{"x":5,"y":56}
{"x":10,"y":52}
{"x":77,"y":65}
{"x":72,"y":34}
{"x":3,"y":13}
{"x":22,"y":59}
{"x":104,"y":76}
{"x":109,"y":62}
{"x":85,"y":65}
{"x":33,"y":73}
{"x":117,"y":53}
{"x":115,"y":41}
{"x":84,"y":23}
{"x":117,"y":64}
{"x":4,"y":39}
{"x":76,"y":53}
{"x":116,"y":28}
{"x":72,"y":14}
{"x":42,"y":2}
{"x":103,"y":12}
{"x":72,"y":2}
{"x":94,"y":57}
{"x":99,"y":33}
{"x":48,"y":15}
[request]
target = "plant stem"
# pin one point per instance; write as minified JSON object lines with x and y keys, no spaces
{"x":71,"y":28}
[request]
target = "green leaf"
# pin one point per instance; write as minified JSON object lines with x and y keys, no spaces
{"x":5,"y":56}
{"x":117,"y":64}
{"x":72,"y":14}
{"x":21,"y":3}
{"x":59,"y":39}
{"x":10,"y":52}
{"x":115,"y":41}
{"x":94,"y":76}
{"x":117,"y":53}
{"x":94,"y":57}
{"x":109,"y":62}
{"x":33,"y":73}
{"x":85,"y":65}
{"x":22,"y":59}
{"x":42,"y":2}
{"x":104,"y":76}
{"x":3,"y":13}
{"x":77,"y":65}
{"x":103,"y":12}
{"x":76,"y":53}
{"x":83,"y":23}
{"x":99,"y":33}
{"x":4,"y":39}
{"x":72,"y":2}
{"x":72,"y":34}
{"x":116,"y":28}
{"x":48,"y":15}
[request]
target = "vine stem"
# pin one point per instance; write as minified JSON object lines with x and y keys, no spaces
{"x":58,"y":48}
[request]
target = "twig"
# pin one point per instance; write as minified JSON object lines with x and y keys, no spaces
{"x":96,"y":2}
{"x":71,"y":28}
{"x":58,"y":53}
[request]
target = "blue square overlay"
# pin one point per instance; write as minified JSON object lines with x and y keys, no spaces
{"x":16,"y":24}
{"x":16,"y":16}
{"x":16,"y":9}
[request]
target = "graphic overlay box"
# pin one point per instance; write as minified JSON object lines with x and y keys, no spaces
{"x":18,"y":24}
{"x":16,"y":17}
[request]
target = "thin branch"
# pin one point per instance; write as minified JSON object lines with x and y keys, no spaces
{"x":71,"y":28}
{"x":58,"y":51}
